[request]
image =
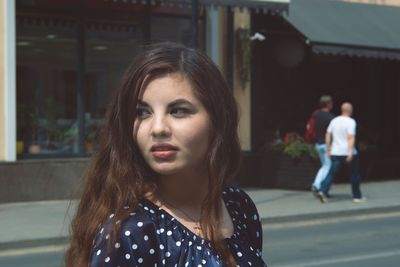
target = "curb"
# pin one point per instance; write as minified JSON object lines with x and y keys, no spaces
{"x":328,"y":215}
{"x":31,"y":243}
{"x":63,"y":240}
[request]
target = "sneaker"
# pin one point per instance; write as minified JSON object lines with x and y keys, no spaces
{"x":360,"y":200}
{"x":322,"y":197}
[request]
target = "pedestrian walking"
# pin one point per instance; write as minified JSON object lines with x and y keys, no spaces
{"x":156,"y":193}
{"x":340,"y":142}
{"x":322,"y":118}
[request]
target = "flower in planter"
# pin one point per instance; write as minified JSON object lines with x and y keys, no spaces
{"x":296,"y":147}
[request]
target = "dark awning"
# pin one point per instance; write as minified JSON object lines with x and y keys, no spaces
{"x":266,"y":6}
{"x":349,"y":29}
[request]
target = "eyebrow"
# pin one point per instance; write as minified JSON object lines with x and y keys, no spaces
{"x":180,"y":101}
{"x":142,"y":103}
{"x":176,"y":102}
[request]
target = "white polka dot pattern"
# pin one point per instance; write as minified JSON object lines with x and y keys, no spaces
{"x":152,"y":237}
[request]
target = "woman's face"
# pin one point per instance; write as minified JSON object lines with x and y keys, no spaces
{"x":172,"y":128}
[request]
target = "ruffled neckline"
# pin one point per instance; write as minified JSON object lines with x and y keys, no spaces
{"x":172,"y":219}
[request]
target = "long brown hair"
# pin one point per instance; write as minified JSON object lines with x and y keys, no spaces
{"x":119,"y":176}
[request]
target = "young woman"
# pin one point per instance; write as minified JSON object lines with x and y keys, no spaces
{"x":156,"y":192}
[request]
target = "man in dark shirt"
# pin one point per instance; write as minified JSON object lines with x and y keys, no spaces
{"x":322,"y":119}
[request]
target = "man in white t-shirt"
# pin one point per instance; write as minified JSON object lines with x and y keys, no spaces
{"x":340,"y":139}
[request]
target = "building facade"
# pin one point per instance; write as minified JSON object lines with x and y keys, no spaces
{"x":61,"y":60}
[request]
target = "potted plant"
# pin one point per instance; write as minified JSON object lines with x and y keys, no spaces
{"x":34,"y":147}
{"x":296,"y":147}
{"x":54,"y":133}
{"x":90,"y":138}
{"x":22,"y":124}
{"x":297,"y":162}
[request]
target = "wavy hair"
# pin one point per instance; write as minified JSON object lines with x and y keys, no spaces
{"x":118,"y":174}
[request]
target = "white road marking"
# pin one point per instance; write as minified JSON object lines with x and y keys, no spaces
{"x":343,"y":260}
{"x":350,"y":218}
{"x":31,"y":251}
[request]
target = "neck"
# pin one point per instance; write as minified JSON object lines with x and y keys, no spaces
{"x":326,"y":109}
{"x":183,"y":190}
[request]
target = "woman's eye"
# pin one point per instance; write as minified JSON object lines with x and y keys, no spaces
{"x":142,"y":113}
{"x":180,"y":112}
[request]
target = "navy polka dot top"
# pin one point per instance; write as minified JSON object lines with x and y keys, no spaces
{"x":153,"y":237}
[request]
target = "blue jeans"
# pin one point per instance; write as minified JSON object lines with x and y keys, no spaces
{"x":325,"y":165}
{"x":337,"y":163}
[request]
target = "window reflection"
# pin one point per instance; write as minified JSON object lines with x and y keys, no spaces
{"x":46,"y":82}
{"x":48,"y":66}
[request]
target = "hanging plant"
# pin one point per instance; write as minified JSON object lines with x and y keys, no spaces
{"x":243,"y":55}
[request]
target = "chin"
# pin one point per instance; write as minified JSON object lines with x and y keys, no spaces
{"x":165,"y":172}
{"x":164,"y":169}
{"x":171,"y":167}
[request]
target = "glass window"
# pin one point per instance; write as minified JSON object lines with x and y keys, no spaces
{"x":48,"y":65}
{"x":111,"y":44}
{"x":46,"y":82}
{"x":161,"y":29}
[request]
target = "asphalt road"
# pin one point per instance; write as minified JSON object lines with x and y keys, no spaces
{"x":368,"y":240}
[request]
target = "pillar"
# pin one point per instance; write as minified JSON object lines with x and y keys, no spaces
{"x":7,"y":81}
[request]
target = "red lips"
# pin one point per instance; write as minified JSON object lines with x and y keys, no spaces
{"x":163,"y":151}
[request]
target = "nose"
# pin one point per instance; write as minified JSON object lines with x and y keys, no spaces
{"x":160,"y":127}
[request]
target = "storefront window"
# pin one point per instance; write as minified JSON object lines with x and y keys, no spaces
{"x":56,"y":60}
{"x":46,"y":82}
{"x":110,"y":46}
{"x":161,"y":29}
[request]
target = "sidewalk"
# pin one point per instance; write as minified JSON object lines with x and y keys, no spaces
{"x":32,"y":224}
{"x":284,"y":205}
